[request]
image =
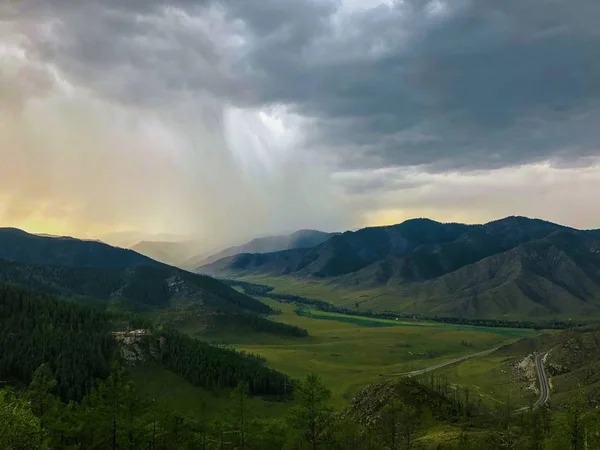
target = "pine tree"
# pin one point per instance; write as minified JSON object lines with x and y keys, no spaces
{"x":19,"y":428}
{"x":40,"y":393}
{"x":312,"y":416}
{"x":239,"y":397}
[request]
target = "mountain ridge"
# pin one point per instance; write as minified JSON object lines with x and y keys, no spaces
{"x":88,"y":269}
{"x":501,"y":268}
{"x":267,"y":244}
{"x":19,"y":245}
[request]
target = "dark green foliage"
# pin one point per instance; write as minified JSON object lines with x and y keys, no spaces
{"x":213,"y":367}
{"x":19,"y":428}
{"x":398,"y":425}
{"x":223,"y":323}
{"x":114,"y":416}
{"x":312,"y":417}
{"x":74,"y":341}
{"x":41,"y":393}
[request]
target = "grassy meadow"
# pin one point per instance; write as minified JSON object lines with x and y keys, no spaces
{"x":379,"y":322}
{"x":349,"y":352}
{"x":491,"y":378}
{"x":375,"y":299}
{"x":172,"y":392}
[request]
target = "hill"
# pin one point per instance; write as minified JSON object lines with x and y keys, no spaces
{"x":137,"y":288}
{"x":515,"y":267}
{"x":298,"y":240}
{"x":18,"y":245}
{"x":572,"y":364}
{"x":88,"y":269}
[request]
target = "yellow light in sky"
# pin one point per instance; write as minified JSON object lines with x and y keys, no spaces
{"x":39,"y":224}
{"x":45,"y":225}
{"x":394,"y":216}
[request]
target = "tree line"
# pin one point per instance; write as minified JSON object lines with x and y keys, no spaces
{"x":73,"y":339}
{"x":236,"y":322}
{"x":114,"y":415}
{"x":214,"y":367}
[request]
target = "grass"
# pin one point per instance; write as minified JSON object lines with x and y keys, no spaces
{"x":172,"y":392}
{"x":491,"y":378}
{"x":327,"y":291}
{"x":377,"y":322}
{"x":349,"y":352}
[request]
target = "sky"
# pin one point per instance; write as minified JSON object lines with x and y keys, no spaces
{"x":222,"y":120}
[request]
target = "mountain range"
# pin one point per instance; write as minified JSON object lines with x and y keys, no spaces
{"x":514,"y":267}
{"x":299,"y":240}
{"x":114,"y":276}
{"x":182,"y":254}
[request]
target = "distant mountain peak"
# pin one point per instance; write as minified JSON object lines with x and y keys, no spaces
{"x":268,"y":244}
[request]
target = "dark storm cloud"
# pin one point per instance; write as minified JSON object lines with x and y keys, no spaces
{"x":454,"y":85}
{"x":471,"y":85}
{"x":148,"y":53}
{"x":156,"y":52}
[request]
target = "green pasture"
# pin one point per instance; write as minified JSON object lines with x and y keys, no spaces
{"x":377,"y":322}
{"x":172,"y":392}
{"x":491,"y":378}
{"x":349,"y":352}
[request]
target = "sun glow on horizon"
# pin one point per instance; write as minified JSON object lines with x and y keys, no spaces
{"x":386,"y":217}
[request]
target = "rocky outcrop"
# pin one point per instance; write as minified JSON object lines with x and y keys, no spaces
{"x":525,"y":371}
{"x":137,"y":346}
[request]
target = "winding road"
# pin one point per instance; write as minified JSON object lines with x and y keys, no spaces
{"x":543,"y":380}
{"x":415,"y":373}
{"x":539,"y":364}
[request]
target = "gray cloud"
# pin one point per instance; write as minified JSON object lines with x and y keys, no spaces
{"x":141,"y":53}
{"x":448,"y":85}
{"x":128,"y":122}
{"x":475,"y":84}
{"x":373,"y":99}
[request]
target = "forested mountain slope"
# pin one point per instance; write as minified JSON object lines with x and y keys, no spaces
{"x":75,"y":341}
{"x":156,"y":286}
{"x":17,"y":245}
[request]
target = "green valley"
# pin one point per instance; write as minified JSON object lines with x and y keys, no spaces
{"x":155,"y":357}
{"x":350,"y":352}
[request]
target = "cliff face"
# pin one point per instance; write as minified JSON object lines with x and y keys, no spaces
{"x":137,"y":346}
